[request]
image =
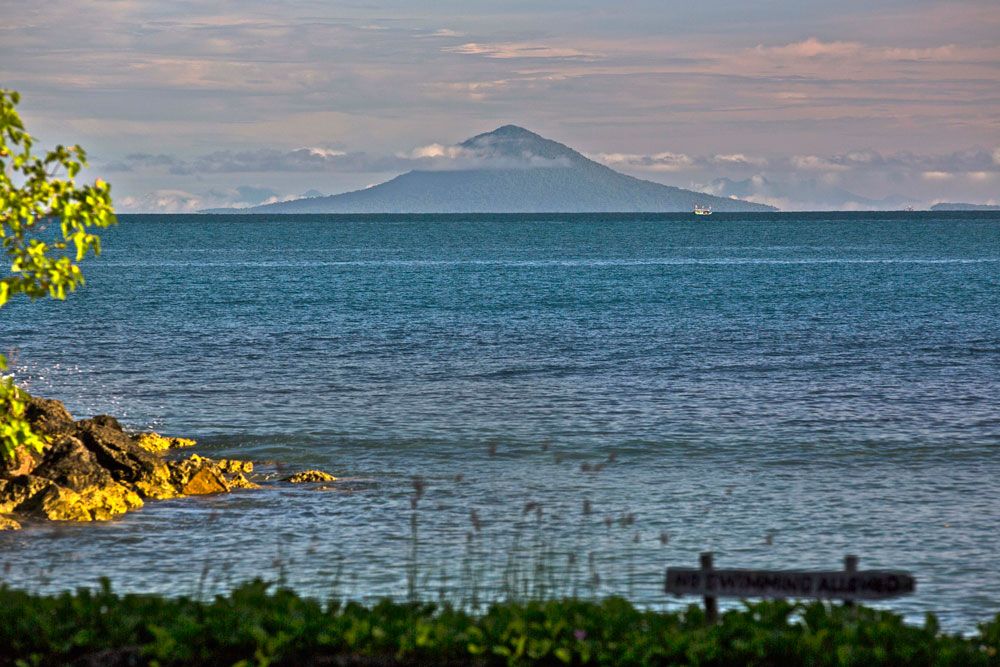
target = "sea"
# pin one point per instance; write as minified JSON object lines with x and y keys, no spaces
{"x":537,"y":405}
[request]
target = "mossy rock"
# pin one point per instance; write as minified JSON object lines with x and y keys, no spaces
{"x":234,"y":466}
{"x":309,"y":476}
{"x":93,"y":470}
{"x":156,"y":443}
{"x":238,"y":480}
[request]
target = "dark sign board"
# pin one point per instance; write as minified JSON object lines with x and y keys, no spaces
{"x":833,"y":585}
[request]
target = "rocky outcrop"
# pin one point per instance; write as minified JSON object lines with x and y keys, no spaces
{"x":93,"y":470}
{"x":310,"y":476}
{"x":156,"y":443}
{"x":196,"y":475}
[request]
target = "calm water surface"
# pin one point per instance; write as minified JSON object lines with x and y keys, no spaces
{"x":779,"y":389}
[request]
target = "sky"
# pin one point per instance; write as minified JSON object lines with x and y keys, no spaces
{"x":801,"y":104}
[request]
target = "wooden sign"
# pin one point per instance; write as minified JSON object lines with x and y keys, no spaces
{"x":847,"y":584}
{"x":833,"y":585}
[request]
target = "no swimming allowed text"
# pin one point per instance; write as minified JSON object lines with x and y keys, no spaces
{"x":847,"y":584}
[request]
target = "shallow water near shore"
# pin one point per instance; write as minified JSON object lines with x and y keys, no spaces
{"x":781,"y":389}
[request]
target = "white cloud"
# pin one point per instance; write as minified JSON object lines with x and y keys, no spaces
{"x":322,"y":152}
{"x":863,"y":157}
{"x":665,"y":161}
{"x":436,"y":151}
{"x":738,"y":159}
{"x":184,"y":201}
{"x":307,"y":159}
{"x":816,"y":163}
{"x":161,"y":201}
{"x":813,"y":48}
{"x":508,"y":50}
{"x":938,"y":176}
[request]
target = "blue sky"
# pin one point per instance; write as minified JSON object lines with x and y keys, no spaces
{"x":802,"y":104}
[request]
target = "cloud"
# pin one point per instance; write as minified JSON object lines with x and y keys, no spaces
{"x":262,"y":160}
{"x":973,"y":165}
{"x":434,"y":151}
{"x":813,"y":48}
{"x":973,"y":160}
{"x":434,"y":157}
{"x":251,"y":194}
{"x":517,"y":85}
{"x":738,"y":159}
{"x":791,"y":192}
{"x":862,"y":179}
{"x":509,"y":50}
{"x":665,"y":161}
{"x":810,"y":48}
{"x":184,"y":201}
{"x":161,"y":201}
{"x":479,"y":153}
{"x":308,"y":159}
{"x":816,"y":163}
{"x":135,"y":161}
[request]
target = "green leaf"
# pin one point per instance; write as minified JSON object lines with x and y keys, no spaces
{"x":32,"y":195}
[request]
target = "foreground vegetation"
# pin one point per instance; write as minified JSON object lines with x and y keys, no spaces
{"x":255,"y":625}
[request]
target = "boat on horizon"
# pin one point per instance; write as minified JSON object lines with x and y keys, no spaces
{"x":702,"y":210}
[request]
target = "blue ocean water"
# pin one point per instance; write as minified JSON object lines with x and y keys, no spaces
{"x":781,"y":389}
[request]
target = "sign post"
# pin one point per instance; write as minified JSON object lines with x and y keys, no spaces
{"x":711,"y":604}
{"x":849,"y":584}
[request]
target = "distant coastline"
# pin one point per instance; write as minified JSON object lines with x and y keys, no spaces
{"x":555,"y":216}
{"x":960,"y":206}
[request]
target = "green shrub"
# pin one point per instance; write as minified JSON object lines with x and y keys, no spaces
{"x":255,"y":625}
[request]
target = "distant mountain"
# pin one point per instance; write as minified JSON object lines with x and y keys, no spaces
{"x":809,"y":194}
{"x":945,"y":206}
{"x":511,"y":170}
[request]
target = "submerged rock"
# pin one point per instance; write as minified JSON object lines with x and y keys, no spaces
{"x":93,"y":470}
{"x":310,"y":476}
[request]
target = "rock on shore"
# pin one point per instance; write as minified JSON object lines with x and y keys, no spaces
{"x":93,"y":470}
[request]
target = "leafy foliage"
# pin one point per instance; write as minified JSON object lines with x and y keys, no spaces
{"x":254,"y":625}
{"x":45,"y":228}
